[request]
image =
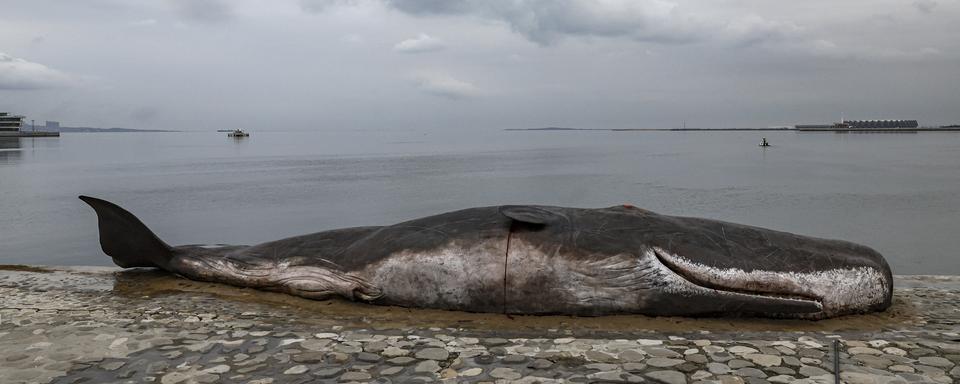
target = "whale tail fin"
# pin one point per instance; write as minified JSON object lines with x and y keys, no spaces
{"x":126,"y":239}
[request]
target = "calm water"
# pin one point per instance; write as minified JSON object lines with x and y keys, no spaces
{"x":899,"y":193}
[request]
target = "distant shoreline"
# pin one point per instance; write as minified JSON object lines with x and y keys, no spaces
{"x":878,"y":130}
{"x":97,"y":130}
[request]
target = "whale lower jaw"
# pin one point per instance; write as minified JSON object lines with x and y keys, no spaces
{"x":820,"y":294}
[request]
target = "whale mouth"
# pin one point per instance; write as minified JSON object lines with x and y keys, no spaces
{"x":764,"y":287}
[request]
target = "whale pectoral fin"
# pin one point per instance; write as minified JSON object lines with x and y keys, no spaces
{"x":308,"y":281}
{"x":530,"y":214}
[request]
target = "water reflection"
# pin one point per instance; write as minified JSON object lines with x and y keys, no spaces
{"x":10,"y":149}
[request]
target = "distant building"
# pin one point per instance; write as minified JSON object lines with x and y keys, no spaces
{"x":854,"y":125}
{"x":861,"y":124}
{"x":53,"y":125}
{"x":10,"y":123}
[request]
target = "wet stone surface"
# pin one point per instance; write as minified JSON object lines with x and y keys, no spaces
{"x":91,"y":326}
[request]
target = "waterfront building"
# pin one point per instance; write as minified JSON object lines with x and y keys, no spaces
{"x":10,"y":123}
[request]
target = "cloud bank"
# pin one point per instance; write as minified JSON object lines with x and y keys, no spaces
{"x":420,"y":44}
{"x":444,"y":85}
{"x":20,"y":74}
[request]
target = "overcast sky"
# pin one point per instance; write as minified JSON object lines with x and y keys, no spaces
{"x":478,"y":64}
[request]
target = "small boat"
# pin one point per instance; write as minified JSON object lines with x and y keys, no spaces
{"x":238,"y":133}
{"x":764,"y":142}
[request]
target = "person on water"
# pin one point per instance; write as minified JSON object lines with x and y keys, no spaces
{"x":764,"y":143}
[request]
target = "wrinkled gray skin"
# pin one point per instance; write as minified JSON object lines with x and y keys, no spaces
{"x":538,"y":260}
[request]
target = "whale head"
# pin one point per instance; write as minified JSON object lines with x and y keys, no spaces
{"x":634,"y":260}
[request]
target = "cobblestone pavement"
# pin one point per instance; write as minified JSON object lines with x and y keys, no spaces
{"x":97,"y":325}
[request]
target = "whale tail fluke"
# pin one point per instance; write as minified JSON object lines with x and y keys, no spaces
{"x":126,"y":239}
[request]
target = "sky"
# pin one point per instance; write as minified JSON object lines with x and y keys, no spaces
{"x":478,"y":64}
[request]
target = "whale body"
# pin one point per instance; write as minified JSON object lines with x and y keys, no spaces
{"x":525,"y":259}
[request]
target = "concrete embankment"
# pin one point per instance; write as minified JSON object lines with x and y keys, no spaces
{"x":67,"y":325}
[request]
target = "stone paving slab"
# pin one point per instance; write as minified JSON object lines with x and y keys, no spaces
{"x":99,"y":325}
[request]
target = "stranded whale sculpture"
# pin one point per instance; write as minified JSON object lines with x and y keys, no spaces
{"x":537,"y":260}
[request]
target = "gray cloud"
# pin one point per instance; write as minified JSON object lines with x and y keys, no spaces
{"x":444,"y":85}
{"x":316,"y":6}
{"x":422,"y":43}
{"x":589,"y":63}
{"x":20,"y":74}
{"x":545,"y":22}
{"x":204,"y":11}
{"x":657,"y":21}
{"x":925,"y":6}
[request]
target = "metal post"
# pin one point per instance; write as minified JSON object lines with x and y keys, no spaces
{"x":836,"y":361}
{"x":33,"y":125}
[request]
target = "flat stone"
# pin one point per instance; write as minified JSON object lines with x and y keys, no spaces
{"x":540,"y":364}
{"x":505,"y":373}
{"x":781,"y":370}
{"x":781,"y":379}
{"x":495,"y":341}
{"x":601,"y":357}
{"x":700,"y":375}
{"x":355,"y":376}
{"x":448,"y":373}
{"x":375,"y":346}
{"x":394,"y":352}
{"x":894,"y":351}
{"x":901,"y":368}
{"x":935,"y":361}
{"x":930,"y":371}
{"x":764,"y":360}
{"x":327,"y":373}
{"x":296,"y":370}
{"x":662,"y":352}
{"x":718,"y":368}
{"x":315,"y":345}
{"x":402,"y":360}
{"x":390,"y":371}
{"x":368,"y":357}
{"x":696,"y":358}
{"x":741,"y":350}
{"x":649,"y":342}
{"x":606,"y":377}
{"x":112,"y":365}
{"x":866,"y":378}
{"x":873,"y":361}
{"x":218,"y":369}
{"x":205,"y":378}
{"x":429,"y":366}
{"x":433,"y":354}
{"x":514,"y":359}
{"x":631,"y":355}
{"x":791,"y":361}
{"x":309,"y":357}
{"x":864,"y":351}
{"x":601,"y":366}
{"x":471,"y":372}
{"x":663,"y":362}
{"x":737,"y":364}
{"x":668,"y":377}
{"x":750,"y":372}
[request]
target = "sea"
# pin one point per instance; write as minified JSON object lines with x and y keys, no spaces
{"x":897,"y":193}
